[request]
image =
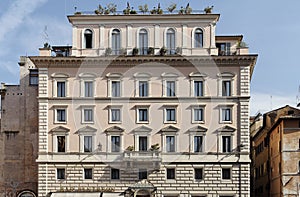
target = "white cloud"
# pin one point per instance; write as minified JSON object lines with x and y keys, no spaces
{"x":263,"y":102}
{"x":16,"y":13}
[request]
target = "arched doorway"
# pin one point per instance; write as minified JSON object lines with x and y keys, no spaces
{"x":26,"y":194}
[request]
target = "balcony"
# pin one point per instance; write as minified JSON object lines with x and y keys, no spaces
{"x":142,"y":159}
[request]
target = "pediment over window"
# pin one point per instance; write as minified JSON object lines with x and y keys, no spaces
{"x":142,"y":75}
{"x":87,"y":75}
{"x":169,"y":75}
{"x":226,"y":75}
{"x":197,"y":74}
{"x":114,"y":75}
{"x":88,"y":129}
{"x":60,"y":129}
{"x":198,"y":128}
{"x":142,"y":129}
{"x":59,"y":75}
{"x":169,"y":129}
{"x":114,"y":129}
{"x":227,"y":129}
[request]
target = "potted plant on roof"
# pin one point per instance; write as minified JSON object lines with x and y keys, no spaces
{"x":153,"y":11}
{"x":135,"y":51}
{"x":208,"y":10}
{"x":159,"y":10}
{"x":150,"y":51}
{"x":188,"y":9}
{"x":127,"y":9}
{"x":172,"y":7}
{"x":163,"y":51}
{"x":108,"y":51}
{"x":99,"y":10}
{"x":154,"y":147}
{"x":132,"y":11}
{"x":143,"y":8}
{"x":130,"y":148}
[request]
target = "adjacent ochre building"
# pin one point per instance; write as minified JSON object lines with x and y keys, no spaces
{"x":276,"y":155}
{"x":144,"y":105}
{"x":19,"y":134}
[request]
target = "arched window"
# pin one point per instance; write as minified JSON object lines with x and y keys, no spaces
{"x":143,"y":42}
{"x":198,"y":38}
{"x":88,"y":38}
{"x":116,"y":42}
{"x":170,"y":41}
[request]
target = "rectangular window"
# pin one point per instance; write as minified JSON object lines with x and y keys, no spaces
{"x":115,"y":143}
{"x":61,"y":89}
{"x":88,"y":173}
{"x":198,"y":88}
{"x":226,"y":173}
{"x":88,"y":89}
{"x":226,"y":88}
{"x":198,"y":173}
{"x":198,"y":115}
{"x":223,"y":48}
{"x":115,"y":89}
{"x":143,"y":143}
{"x":170,"y":115}
{"x":198,"y":143}
{"x":170,"y":143}
{"x":33,"y":77}
{"x":170,"y":173}
{"x":170,"y":88}
{"x":88,"y":115}
{"x":115,"y":115}
{"x":115,"y":174}
{"x":143,"y":115}
{"x":61,"y":144}
{"x":143,"y":88}
{"x":226,"y":144}
{"x":61,"y":115}
{"x":143,"y":174}
{"x":88,"y":146}
{"x":226,"y":114}
{"x":60,"y":173}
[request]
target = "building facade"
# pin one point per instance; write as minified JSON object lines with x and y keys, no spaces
{"x":276,"y":156}
{"x":19,"y":134}
{"x":145,"y":105}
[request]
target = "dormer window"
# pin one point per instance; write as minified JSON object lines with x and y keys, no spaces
{"x":88,"y":37}
{"x":116,"y":42}
{"x":143,"y":42}
{"x":170,"y":41}
{"x":198,"y":38}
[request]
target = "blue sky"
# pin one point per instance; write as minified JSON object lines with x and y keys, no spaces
{"x":270,"y":28}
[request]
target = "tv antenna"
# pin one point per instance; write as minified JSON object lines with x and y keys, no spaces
{"x":298,"y":97}
{"x":45,"y":34}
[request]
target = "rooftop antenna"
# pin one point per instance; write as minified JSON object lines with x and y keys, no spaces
{"x":271,"y":97}
{"x":298,"y":97}
{"x":45,"y":34}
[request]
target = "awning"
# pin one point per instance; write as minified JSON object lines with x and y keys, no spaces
{"x":86,"y":194}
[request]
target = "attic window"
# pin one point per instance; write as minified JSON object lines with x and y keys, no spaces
{"x":290,"y":112}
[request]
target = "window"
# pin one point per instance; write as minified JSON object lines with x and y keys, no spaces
{"x":116,"y":42}
{"x":88,"y":38}
{"x":143,"y":88}
{"x":88,"y":146}
{"x":198,"y":115}
{"x":170,"y":41}
{"x":33,"y":77}
{"x":88,"y":89}
{"x":143,"y":143}
{"x":88,"y":115}
{"x":170,"y":143}
{"x":60,"y":173}
{"x":226,"y":88}
{"x":198,"y":38}
{"x":170,"y":88}
{"x":61,"y":144}
{"x":61,"y":115}
{"x":115,"y":89}
{"x":198,"y":144}
{"x":223,"y":48}
{"x":226,"y":114}
{"x":226,"y":173}
{"x":143,"y":42}
{"x":88,"y":173}
{"x":198,"y":88}
{"x":143,"y":115}
{"x":115,"y":174}
{"x":61,"y":89}
{"x":143,"y":174}
{"x":198,"y":173}
{"x":170,"y":115}
{"x":170,"y":173}
{"x":226,"y":144}
{"x":115,"y":143}
{"x":115,"y":115}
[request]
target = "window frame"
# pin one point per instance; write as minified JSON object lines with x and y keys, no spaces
{"x":33,"y":77}
{"x":142,"y":77}
{"x":91,"y":36}
{"x":143,"y":49}
{"x":115,"y":150}
{"x":223,"y":173}
{"x":202,"y":108}
{"x":223,"y":111}
{"x":85,"y":177}
{"x":115,"y":108}
{"x":170,"y":39}
{"x":138,"y":118}
{"x":194,"y":77}
{"x":87,"y":131}
{"x":196,"y":43}
{"x":59,"y":77}
{"x":55,"y":113}
{"x":58,"y":173}
{"x":83,"y":110}
{"x":116,"y":41}
{"x":60,"y":131}
{"x":226,"y":76}
{"x":202,"y":174}
{"x":87,"y":78}
{"x":166,"y":109}
{"x":112,"y":173}
{"x":141,"y":173}
{"x":171,"y":176}
{"x":171,"y":148}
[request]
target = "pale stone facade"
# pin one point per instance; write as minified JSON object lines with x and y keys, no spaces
{"x":19,"y":134}
{"x":145,"y":124}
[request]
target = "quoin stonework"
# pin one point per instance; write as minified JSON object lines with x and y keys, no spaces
{"x":144,"y":105}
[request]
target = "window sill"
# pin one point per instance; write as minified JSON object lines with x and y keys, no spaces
{"x":170,"y":122}
{"x":142,"y":122}
{"x":56,"y":122}
{"x":115,"y":122}
{"x":198,"y":122}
